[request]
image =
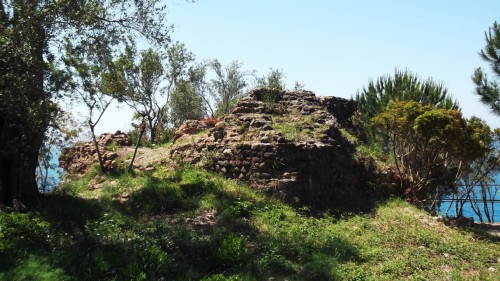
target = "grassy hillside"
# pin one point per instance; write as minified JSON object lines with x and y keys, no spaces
{"x":193,"y":225}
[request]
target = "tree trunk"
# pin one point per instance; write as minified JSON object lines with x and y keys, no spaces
{"x":17,"y":169}
{"x":143,"y":129}
{"x":96,"y":145}
{"x":152,"y":128}
{"x":25,"y":106}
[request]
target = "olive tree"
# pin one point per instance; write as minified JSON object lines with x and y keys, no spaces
{"x":134,"y":78}
{"x":185,"y":104}
{"x":228,"y":86}
{"x":274,"y":80}
{"x":86,"y":66}
{"x":31,"y":80}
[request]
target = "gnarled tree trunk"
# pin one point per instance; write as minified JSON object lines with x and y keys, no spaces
{"x":17,"y":166}
{"x":25,"y":107}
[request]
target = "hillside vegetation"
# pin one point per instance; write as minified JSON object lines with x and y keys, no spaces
{"x":190,"y":224}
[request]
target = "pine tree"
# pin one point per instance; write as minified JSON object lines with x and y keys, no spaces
{"x":402,"y":86}
{"x":489,"y":90}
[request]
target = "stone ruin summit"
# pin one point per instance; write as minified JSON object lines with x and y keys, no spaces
{"x":290,"y":144}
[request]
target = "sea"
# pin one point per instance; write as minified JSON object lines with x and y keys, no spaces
{"x":468,"y":212}
{"x":55,"y":173}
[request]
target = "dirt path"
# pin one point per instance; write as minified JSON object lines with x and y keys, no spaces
{"x":146,"y":156}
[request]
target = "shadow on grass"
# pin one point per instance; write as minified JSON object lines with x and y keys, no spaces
{"x":234,"y":245}
{"x":484,"y":231}
{"x":70,"y":214}
{"x":91,"y":239}
{"x":163,"y":196}
{"x":104,"y":239}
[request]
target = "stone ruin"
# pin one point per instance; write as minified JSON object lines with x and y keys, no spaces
{"x":79,"y":157}
{"x":291,"y":144}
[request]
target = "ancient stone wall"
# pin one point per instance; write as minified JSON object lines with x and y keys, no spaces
{"x":288,"y":143}
{"x":79,"y":157}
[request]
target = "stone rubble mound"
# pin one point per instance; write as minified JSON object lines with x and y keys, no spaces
{"x":78,"y":158}
{"x":288,"y":143}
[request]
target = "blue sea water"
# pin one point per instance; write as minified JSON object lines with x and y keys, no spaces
{"x":469,"y":212}
{"x":55,"y":173}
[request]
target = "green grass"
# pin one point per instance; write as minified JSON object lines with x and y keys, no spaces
{"x":302,"y":128}
{"x":193,"y":225}
{"x":192,"y":138}
{"x":350,"y":137}
{"x":290,"y":132}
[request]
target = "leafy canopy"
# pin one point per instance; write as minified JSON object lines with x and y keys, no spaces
{"x":134,"y":78}
{"x":32,"y":80}
{"x":402,"y":86}
{"x":228,"y":85}
{"x":429,"y":145}
{"x":273,"y":80}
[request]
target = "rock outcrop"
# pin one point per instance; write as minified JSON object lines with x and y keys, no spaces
{"x":291,"y":144}
{"x":78,"y":158}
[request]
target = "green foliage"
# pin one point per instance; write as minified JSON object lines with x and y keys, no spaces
{"x":221,"y":277}
{"x":403,"y":86}
{"x":86,"y":66}
{"x":238,"y":209}
{"x":269,"y":100}
{"x":228,"y":85}
{"x":185,"y":104}
{"x":32,"y":77}
{"x":375,"y":151}
{"x":428,"y":144}
{"x":135,"y":79}
{"x":321,"y":267}
{"x":29,"y":81}
{"x":232,"y":250}
{"x":187,"y":90}
{"x":489,"y":90}
{"x":479,"y":173}
{"x":290,"y":131}
{"x":22,"y":231}
{"x":273,"y":80}
{"x":296,"y":130}
{"x":350,"y":137}
{"x":134,"y":134}
{"x":165,"y":136}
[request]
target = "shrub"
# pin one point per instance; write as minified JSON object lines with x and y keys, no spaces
{"x":428,"y":146}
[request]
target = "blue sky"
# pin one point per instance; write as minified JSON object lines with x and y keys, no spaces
{"x":336,"y":47}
